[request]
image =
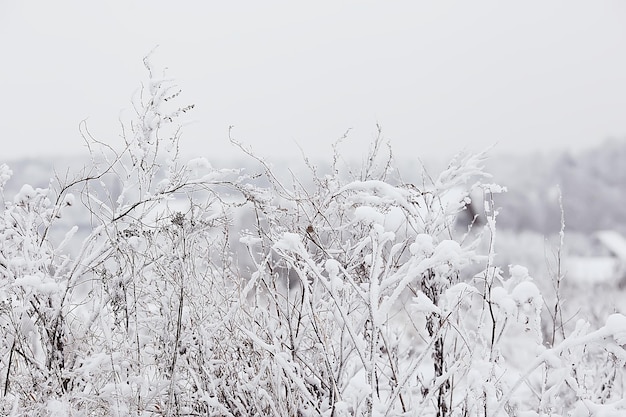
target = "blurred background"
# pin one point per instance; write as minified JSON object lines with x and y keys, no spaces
{"x":541,"y":82}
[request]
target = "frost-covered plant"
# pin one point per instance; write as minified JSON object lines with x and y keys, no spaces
{"x":104,"y":328}
{"x":359,"y":295}
{"x":379,"y":316}
{"x":372,"y":262}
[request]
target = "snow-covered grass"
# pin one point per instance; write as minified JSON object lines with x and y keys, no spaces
{"x":355,"y":296}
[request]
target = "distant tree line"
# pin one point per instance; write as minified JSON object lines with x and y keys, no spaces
{"x":591,"y":183}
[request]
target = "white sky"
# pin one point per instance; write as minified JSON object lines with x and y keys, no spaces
{"x":439,"y":76}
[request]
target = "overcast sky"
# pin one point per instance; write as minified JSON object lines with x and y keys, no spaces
{"x":438,"y":76}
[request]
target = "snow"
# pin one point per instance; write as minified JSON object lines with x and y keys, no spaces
{"x":250,"y":240}
{"x":449,"y":252}
{"x":529,"y":301}
{"x":395,"y":218}
{"x":368,"y":215}
{"x":423,"y":245}
{"x":198,"y":165}
{"x":587,"y":408}
{"x":37,"y":283}
{"x":517,"y":275}
{"x":422,"y":304}
{"x":454,"y":199}
{"x":364,"y":318}
{"x":375,"y":192}
{"x":616,"y":325}
{"x":69,"y":199}
{"x":527,"y":293}
{"x":57,"y":408}
{"x":68,"y":238}
{"x":458,"y":293}
{"x":5,"y":175}
{"x":494,"y":188}
{"x":156,"y":212}
{"x":378,"y":188}
{"x":332,"y":267}
{"x":25,"y":195}
{"x":501,"y":298}
{"x":290,"y":242}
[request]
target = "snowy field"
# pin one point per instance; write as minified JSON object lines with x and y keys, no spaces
{"x":144,"y":284}
{"x":329,"y":208}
